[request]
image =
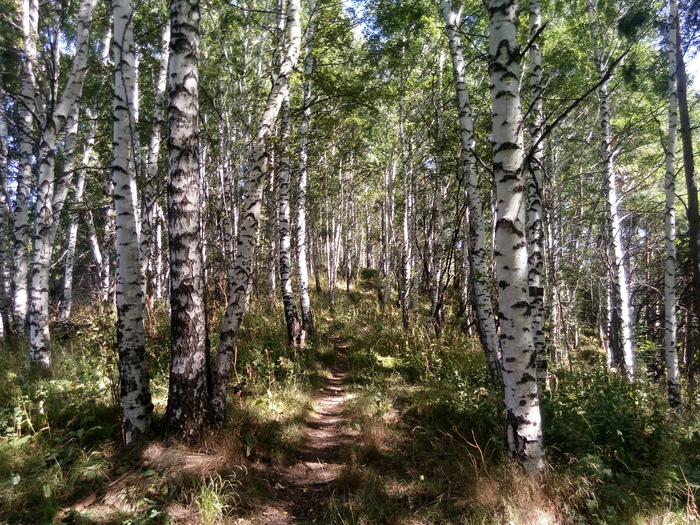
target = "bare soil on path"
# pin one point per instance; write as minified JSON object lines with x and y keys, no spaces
{"x":302,"y":489}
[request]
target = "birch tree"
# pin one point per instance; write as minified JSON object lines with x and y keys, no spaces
{"x":523,"y":419}
{"x":674,"y":387}
{"x":30,"y":104}
{"x":475,"y":243}
{"x":307,"y":321}
{"x":295,"y":335}
{"x":535,"y":215}
{"x":188,"y":395}
{"x":251,"y":216}
{"x":72,"y":233}
{"x":133,"y":373}
{"x":49,"y":198}
{"x":620,"y":323}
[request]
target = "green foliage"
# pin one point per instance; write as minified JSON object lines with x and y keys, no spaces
{"x":618,"y":435}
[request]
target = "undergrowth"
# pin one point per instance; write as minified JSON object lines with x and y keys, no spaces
{"x":428,"y":425}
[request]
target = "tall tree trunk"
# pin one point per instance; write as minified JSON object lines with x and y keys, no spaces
{"x":477,"y":236}
{"x":30,"y":106}
{"x":72,"y":234}
{"x":620,"y":330}
{"x":295,"y":334}
{"x":250,"y":220}
{"x":535,"y":215}
{"x":54,"y":121}
{"x":691,"y":181}
{"x":523,"y":419}
{"x":307,"y":320}
{"x":670,"y":323}
{"x":133,"y":372}
{"x":150,"y":211}
{"x":5,"y":215}
{"x":188,"y":395}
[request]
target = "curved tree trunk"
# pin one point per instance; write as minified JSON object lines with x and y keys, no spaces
{"x":50,"y":198}
{"x":133,"y":373}
{"x":72,"y":234}
{"x":250,"y":219}
{"x":477,"y":237}
{"x":523,"y":419}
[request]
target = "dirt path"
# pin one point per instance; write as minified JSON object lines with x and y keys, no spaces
{"x":302,"y":489}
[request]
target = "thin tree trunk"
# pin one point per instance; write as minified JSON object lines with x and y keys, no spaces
{"x":523,"y":419}
{"x":56,"y":119}
{"x":133,"y":372}
{"x":250,"y":220}
{"x":477,"y":236}
{"x":149,"y":212}
{"x":535,"y":215}
{"x":188,"y":410}
{"x":5,"y":214}
{"x":620,"y":323}
{"x":295,"y":334}
{"x":307,"y":320}
{"x":691,"y":182}
{"x":72,"y":235}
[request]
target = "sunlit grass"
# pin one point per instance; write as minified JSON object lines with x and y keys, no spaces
{"x":427,"y":426}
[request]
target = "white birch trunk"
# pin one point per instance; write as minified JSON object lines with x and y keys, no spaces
{"x":295,"y":335}
{"x":72,"y":234}
{"x":30,"y":107}
{"x":133,"y":373}
{"x":477,"y":236}
{"x":535,"y":216}
{"x":670,"y":323}
{"x":5,"y":214}
{"x":620,"y":321}
{"x":523,"y":419}
{"x":307,"y":320}
{"x":148,"y":215}
{"x":39,"y":338}
{"x":250,"y":220}
{"x":188,"y":395}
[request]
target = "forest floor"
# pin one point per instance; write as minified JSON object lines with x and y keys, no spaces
{"x":302,"y":487}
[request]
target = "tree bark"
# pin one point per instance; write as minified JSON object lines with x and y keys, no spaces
{"x":133,"y":372}
{"x":188,"y":409}
{"x":31,"y":105}
{"x":620,"y":329}
{"x":535,"y":214}
{"x":295,"y":334}
{"x":53,"y":122}
{"x":691,"y":182}
{"x":250,"y":219}
{"x":523,"y":419}
{"x":670,"y":322}
{"x":72,"y":234}
{"x":307,"y":320}
{"x":476,"y":240}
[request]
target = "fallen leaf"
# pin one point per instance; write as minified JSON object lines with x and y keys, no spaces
{"x":81,"y":505}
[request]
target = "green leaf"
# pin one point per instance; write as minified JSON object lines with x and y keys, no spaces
{"x":149,"y":473}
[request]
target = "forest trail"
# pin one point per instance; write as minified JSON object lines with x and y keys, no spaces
{"x":303,"y":487}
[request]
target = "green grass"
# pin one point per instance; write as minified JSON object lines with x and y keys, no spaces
{"x":429,"y":445}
